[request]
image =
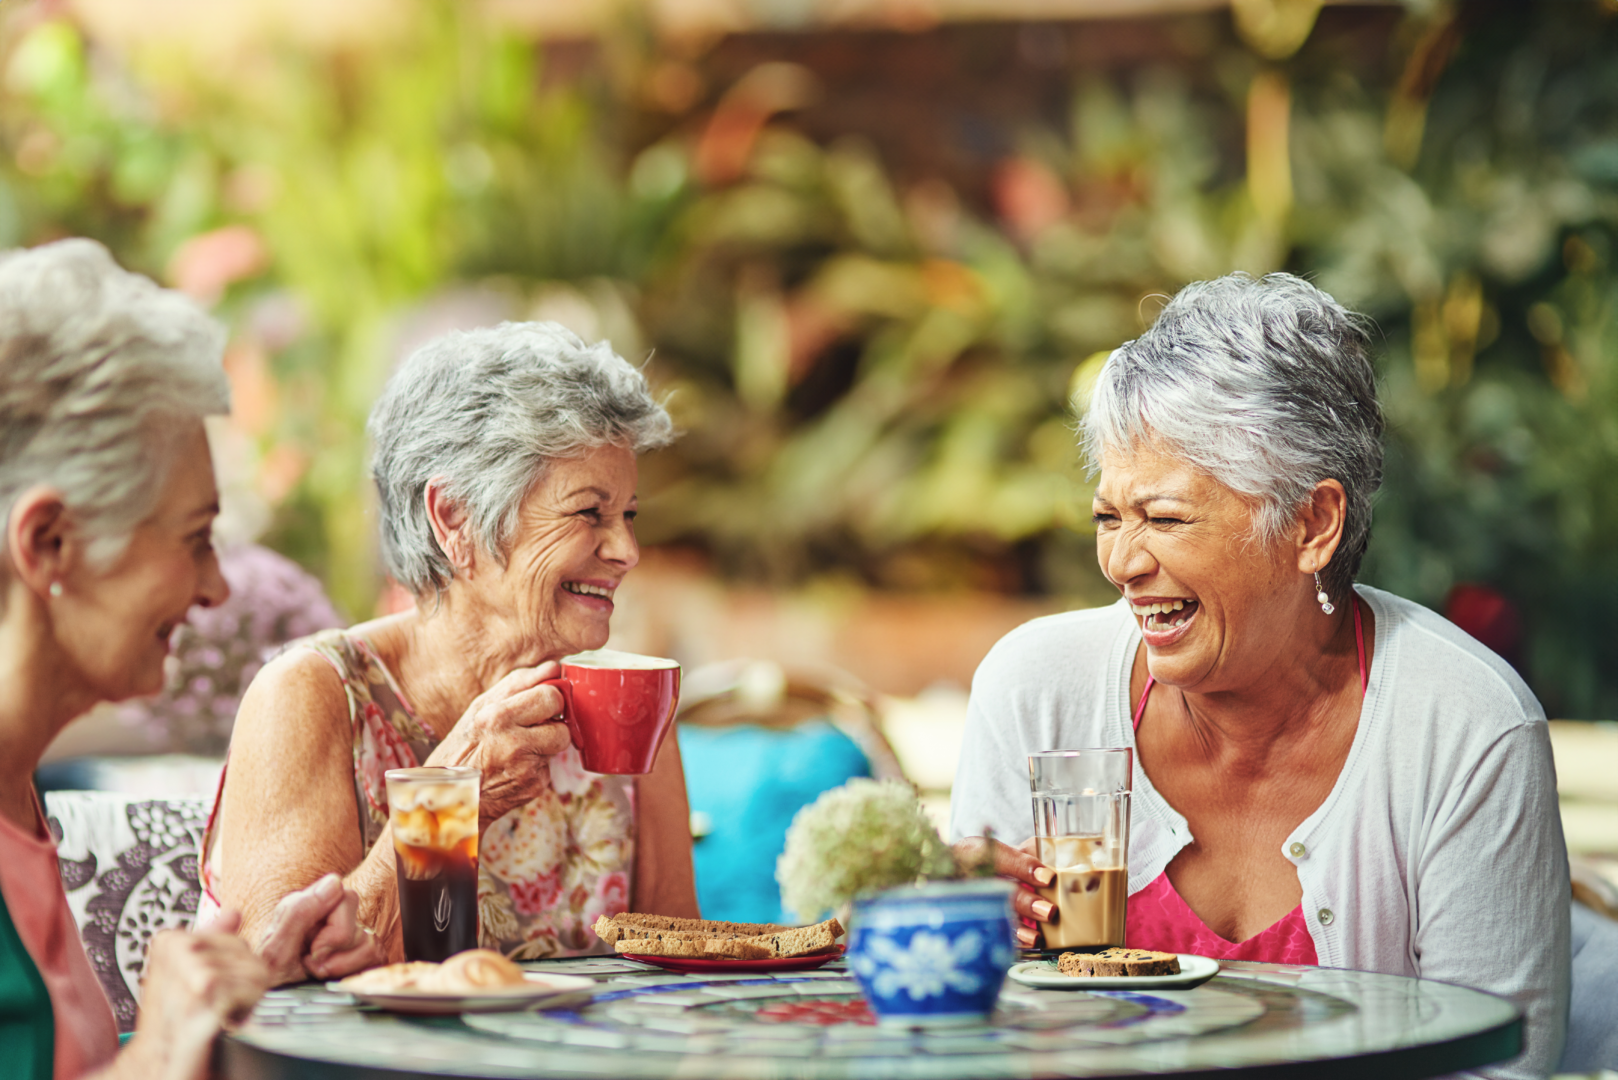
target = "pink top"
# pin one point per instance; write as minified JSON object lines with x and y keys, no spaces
{"x":86,"y":1033}
{"x":1158,"y":918}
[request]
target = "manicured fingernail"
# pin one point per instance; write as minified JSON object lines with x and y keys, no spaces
{"x":1025,"y":936}
{"x":1043,"y":909}
{"x":1043,"y":875}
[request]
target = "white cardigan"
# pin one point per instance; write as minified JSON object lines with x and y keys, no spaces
{"x":1438,"y":852}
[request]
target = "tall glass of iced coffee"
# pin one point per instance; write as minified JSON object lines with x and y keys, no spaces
{"x":1081,"y":831}
{"x":434,"y":815}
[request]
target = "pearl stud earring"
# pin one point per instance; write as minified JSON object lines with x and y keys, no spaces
{"x":56,"y":588}
{"x":1320,"y":595}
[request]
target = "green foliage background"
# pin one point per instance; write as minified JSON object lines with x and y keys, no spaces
{"x":875,"y":382}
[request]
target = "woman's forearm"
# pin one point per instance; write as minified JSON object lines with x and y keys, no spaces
{"x":375,"y":882}
{"x":664,"y":882}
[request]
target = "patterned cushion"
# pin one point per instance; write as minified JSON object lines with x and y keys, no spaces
{"x":129,"y":866}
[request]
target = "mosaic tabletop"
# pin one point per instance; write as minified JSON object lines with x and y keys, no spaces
{"x":641,"y":1022}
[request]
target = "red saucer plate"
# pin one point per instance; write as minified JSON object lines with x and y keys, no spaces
{"x":687,"y":965}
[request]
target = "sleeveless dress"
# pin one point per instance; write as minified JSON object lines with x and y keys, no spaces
{"x":1159,"y":918}
{"x":546,"y":870}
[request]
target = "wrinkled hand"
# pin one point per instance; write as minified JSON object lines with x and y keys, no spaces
{"x":1018,"y":864}
{"x":511,"y":732}
{"x":195,"y":985}
{"x":314,"y":933}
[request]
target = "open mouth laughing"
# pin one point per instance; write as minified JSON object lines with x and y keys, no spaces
{"x":1164,"y":619}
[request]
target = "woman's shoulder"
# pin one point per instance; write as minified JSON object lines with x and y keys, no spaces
{"x":1067,"y":645}
{"x":1446,"y":670}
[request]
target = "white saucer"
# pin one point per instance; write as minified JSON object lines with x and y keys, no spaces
{"x":540,"y":987}
{"x":1042,"y":975}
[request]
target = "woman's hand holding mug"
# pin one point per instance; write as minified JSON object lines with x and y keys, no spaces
{"x":510,"y":732}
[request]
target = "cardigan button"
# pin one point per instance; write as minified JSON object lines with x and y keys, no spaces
{"x":1298,"y":851}
{"x":1325,"y":916}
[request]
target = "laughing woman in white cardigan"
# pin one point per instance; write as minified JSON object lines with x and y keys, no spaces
{"x":1325,"y":773}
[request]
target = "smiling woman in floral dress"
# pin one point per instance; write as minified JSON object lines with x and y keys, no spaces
{"x":505,"y":465}
{"x":1325,"y":773}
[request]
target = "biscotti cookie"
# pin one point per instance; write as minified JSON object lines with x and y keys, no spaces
{"x":1112,"y":963}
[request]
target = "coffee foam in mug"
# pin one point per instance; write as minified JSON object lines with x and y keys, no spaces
{"x":619,"y":661}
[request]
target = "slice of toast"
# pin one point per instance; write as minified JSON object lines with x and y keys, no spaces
{"x":629,"y":924}
{"x":1111,"y":963}
{"x":693,"y":948}
{"x":800,"y":941}
{"x":627,"y":932}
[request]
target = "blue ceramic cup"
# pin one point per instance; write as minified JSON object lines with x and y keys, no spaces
{"x":933,"y":955}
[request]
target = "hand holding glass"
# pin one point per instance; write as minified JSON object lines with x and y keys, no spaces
{"x":1081,"y":831}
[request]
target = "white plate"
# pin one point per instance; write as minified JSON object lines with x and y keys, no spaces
{"x":540,"y":987}
{"x":1042,"y":974}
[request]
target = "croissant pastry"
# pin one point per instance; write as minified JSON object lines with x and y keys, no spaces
{"x":474,"y":969}
{"x":390,"y":979}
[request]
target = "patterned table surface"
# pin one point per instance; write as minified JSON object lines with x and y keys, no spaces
{"x":639,"y":1022}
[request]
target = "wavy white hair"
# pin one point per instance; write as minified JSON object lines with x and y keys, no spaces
{"x":1266,"y":385}
{"x":100,"y":373}
{"x":483,"y":412}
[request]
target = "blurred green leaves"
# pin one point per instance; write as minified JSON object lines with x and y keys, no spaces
{"x":874,"y":376}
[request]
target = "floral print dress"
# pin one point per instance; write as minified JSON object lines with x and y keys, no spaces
{"x":546,"y":870}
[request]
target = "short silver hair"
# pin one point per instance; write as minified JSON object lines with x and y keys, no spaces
{"x":1264,"y":384}
{"x":100,"y":370}
{"x":483,"y":413}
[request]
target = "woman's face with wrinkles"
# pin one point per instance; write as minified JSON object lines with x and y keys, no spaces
{"x":1214,"y":606}
{"x":574,"y":542}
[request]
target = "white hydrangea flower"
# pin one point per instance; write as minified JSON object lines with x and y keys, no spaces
{"x":855,"y":840}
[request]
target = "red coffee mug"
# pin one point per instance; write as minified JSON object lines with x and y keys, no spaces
{"x":618,"y":706}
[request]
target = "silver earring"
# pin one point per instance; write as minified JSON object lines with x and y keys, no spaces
{"x":56,"y":588}
{"x":1321,"y":597}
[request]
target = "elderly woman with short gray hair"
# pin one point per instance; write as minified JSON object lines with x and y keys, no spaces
{"x":108,"y":499}
{"x":505,"y":462}
{"x":1325,"y":773}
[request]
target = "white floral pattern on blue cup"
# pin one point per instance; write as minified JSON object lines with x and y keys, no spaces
{"x":933,"y":955}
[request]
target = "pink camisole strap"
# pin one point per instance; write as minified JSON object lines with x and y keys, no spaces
{"x":1159,"y":918}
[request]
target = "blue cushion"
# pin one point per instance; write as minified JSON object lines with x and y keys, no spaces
{"x":1592,"y":1028}
{"x":750,"y":781}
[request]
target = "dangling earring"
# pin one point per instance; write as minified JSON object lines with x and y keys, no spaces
{"x":56,"y":588}
{"x":1320,"y":595}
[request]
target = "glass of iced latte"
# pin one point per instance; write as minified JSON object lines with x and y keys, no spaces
{"x":1081,"y":831}
{"x":434,"y":815}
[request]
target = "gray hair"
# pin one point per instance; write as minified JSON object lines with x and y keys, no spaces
{"x":482,"y":413}
{"x":1264,"y":384}
{"x":100,"y":370}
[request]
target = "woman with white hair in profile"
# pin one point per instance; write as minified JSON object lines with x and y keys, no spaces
{"x":505,"y":462}
{"x":1324,"y":773}
{"x":109,"y":494}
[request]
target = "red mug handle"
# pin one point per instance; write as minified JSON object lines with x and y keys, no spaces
{"x":566,"y":689}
